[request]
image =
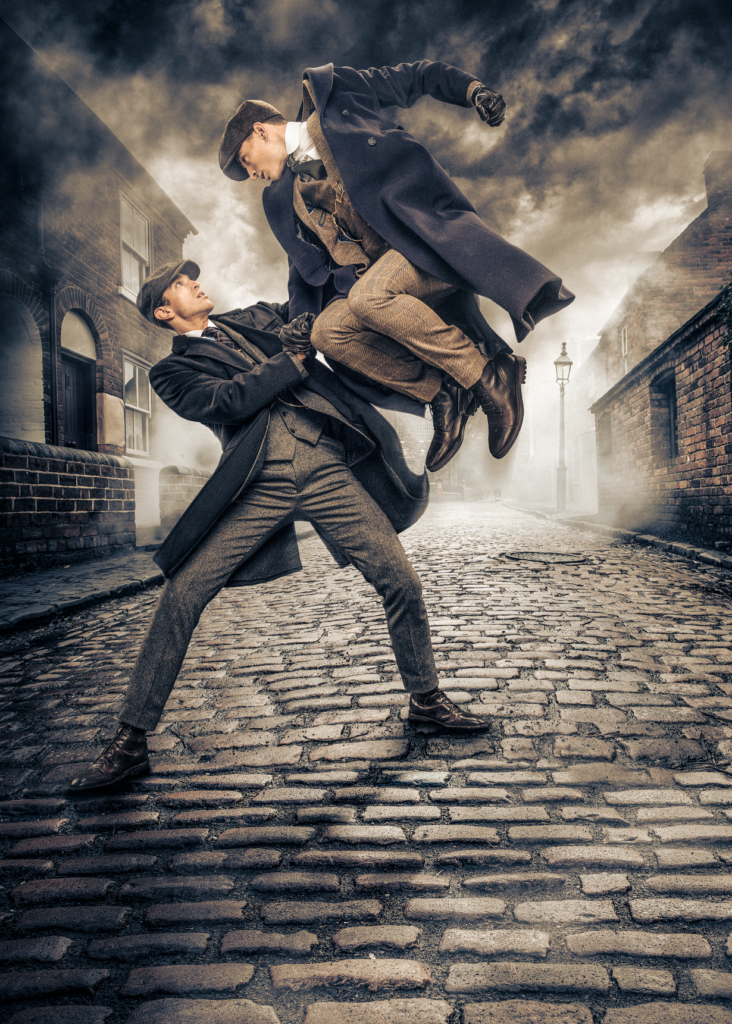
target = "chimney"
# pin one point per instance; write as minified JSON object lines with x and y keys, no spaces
{"x":718,"y":177}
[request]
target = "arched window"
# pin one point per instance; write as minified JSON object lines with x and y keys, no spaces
{"x":21,"y":373}
{"x":78,"y":382}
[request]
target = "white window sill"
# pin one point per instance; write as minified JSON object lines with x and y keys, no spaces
{"x":126,"y":293}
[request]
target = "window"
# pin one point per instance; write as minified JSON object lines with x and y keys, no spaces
{"x":663,"y":400}
{"x":137,"y":408}
{"x":134,"y":233}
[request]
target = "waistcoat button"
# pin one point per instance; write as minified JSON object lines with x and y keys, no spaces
{"x":372,"y":141}
{"x":346,"y":113}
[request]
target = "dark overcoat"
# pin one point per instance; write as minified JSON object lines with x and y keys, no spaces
{"x":404,"y":194}
{"x":231,"y":392}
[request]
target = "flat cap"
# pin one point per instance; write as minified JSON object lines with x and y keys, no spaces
{"x":150,"y":295}
{"x":238,"y":128}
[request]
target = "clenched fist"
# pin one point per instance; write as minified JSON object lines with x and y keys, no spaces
{"x":490,"y":105}
{"x":295,"y":336}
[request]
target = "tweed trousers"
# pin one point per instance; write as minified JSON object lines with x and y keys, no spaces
{"x":304,"y":482}
{"x":387,"y":330}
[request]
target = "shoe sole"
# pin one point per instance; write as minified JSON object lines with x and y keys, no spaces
{"x":131,"y":773}
{"x":436,"y":466}
{"x":519,"y":380}
{"x":443,"y":725}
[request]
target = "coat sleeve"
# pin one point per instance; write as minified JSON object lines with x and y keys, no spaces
{"x":196,"y":395}
{"x":303,"y":297}
{"x":403,"y":85}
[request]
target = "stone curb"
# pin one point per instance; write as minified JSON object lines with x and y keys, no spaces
{"x":37,"y":614}
{"x":706,"y":555}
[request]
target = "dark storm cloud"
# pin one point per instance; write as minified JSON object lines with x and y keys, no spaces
{"x":613,"y":105}
{"x":570,"y":70}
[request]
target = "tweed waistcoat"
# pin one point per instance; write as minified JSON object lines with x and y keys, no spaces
{"x":325,"y":209}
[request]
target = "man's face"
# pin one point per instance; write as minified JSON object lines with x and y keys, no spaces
{"x":263,"y":154}
{"x":186,"y":298}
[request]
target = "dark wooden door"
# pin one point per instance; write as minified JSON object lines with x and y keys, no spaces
{"x":77,"y":381}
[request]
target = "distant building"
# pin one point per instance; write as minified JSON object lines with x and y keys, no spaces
{"x":663,"y":421}
{"x":679,"y":282}
{"x":82,"y":436}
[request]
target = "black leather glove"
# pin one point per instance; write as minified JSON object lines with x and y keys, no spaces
{"x":295,"y":336}
{"x":490,"y":105}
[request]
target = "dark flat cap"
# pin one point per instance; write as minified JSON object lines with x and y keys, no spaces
{"x":150,"y":295}
{"x":238,"y":128}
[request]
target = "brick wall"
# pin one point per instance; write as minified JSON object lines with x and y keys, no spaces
{"x":59,"y":506}
{"x":178,"y":487}
{"x":641,"y":483}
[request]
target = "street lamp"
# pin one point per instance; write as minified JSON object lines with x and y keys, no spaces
{"x":563,"y":365}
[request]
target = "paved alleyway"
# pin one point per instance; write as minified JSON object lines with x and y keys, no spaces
{"x":300,"y":853}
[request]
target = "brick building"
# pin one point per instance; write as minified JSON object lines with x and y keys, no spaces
{"x":677,"y":283}
{"x":664,"y":436}
{"x":81,"y":224}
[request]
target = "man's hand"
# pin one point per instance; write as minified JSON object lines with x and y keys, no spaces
{"x":295,"y":336}
{"x":490,"y":105}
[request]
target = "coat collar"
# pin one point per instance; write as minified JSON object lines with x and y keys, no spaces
{"x":321,"y":84}
{"x":244,"y":360}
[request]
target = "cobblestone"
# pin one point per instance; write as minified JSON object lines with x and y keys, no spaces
{"x":150,"y":981}
{"x":526,"y":1011}
{"x":74,"y":919}
{"x":638,"y":944}
{"x":376,"y":975}
{"x":519,"y":977}
{"x":130,"y":947}
{"x":290,"y":792}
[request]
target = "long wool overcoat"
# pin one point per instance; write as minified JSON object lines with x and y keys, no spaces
{"x":232,"y":393}
{"x":404,"y":194}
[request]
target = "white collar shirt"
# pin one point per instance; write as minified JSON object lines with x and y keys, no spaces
{"x":298,"y":141}
{"x":197,"y":334}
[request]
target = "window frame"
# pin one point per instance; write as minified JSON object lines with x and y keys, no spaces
{"x":126,"y":247}
{"x":139,"y":364}
{"x":666,"y":416}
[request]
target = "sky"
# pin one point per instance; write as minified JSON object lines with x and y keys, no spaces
{"x":612,"y":108}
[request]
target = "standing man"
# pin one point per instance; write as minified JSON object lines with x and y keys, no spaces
{"x":297,"y":446}
{"x":387,"y":252}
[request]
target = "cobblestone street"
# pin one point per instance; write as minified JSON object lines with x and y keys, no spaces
{"x":300,"y":853}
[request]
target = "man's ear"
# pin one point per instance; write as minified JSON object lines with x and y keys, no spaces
{"x":164,"y":313}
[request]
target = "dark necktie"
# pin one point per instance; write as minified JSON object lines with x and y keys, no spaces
{"x":310,"y":168}
{"x":214,"y":334}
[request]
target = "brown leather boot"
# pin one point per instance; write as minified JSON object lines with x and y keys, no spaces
{"x":498,"y":392}
{"x":124,"y":758}
{"x":437,"y":708}
{"x":451,"y":407}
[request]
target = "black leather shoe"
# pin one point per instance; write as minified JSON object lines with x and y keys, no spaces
{"x":124,"y":758}
{"x":451,"y":407}
{"x":440,"y":710}
{"x":498,"y":392}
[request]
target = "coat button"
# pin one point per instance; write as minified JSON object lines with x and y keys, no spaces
{"x":372,"y":141}
{"x":345,"y":113}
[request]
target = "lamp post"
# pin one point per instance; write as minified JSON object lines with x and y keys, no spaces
{"x":563,"y":365}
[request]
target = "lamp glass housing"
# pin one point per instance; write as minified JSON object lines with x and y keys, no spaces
{"x":563,"y":365}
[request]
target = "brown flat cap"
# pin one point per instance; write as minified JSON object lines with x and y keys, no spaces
{"x":150,"y":295}
{"x":238,"y":128}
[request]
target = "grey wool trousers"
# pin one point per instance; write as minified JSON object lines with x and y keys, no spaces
{"x":314,"y":485}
